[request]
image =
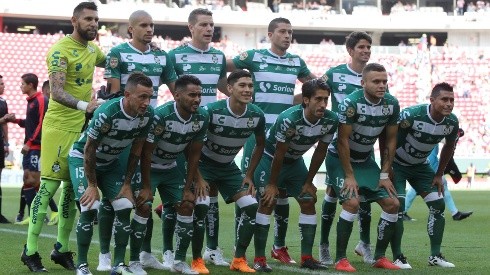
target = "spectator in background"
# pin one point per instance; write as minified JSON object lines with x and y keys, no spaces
{"x":460,"y":7}
{"x":4,"y":145}
{"x":45,"y":89}
{"x":470,"y":175}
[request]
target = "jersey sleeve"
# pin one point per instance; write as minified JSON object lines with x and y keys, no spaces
{"x":395,"y":117}
{"x":100,"y":124}
{"x":168,"y":74}
{"x":144,"y":132}
{"x":113,"y":64}
{"x":244,"y":60}
{"x":303,"y":70}
{"x":347,"y":112}
{"x":285,"y":129}
{"x":101,"y":58}
{"x":332,"y":125}
{"x":202,"y":133}
{"x":57,"y":61}
{"x":454,"y":133}
{"x":260,"y":129}
{"x":156,"y":130}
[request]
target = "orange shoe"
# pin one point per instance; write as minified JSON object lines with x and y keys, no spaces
{"x":385,"y":263}
{"x":344,"y":265}
{"x":199,"y":266}
{"x":241,"y":265}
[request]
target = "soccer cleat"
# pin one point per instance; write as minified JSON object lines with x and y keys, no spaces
{"x":385,"y":264}
{"x":83,"y":270}
{"x":439,"y":260}
{"x":325,"y":257}
{"x":23,"y":222}
{"x":364,"y":250}
{"x":137,"y":268}
{"x":461,"y":215}
{"x":407,"y":218}
{"x":183,"y":268}
{"x":121,"y":269}
{"x":53,"y":218}
{"x":401,"y":262}
{"x":260,"y":265}
{"x":240,"y":264}
{"x":150,"y":261}
{"x":310,"y":263}
{"x":64,"y":259}
{"x":32,"y":262}
{"x":344,"y":265}
{"x":19,"y":218}
{"x":158,"y":210}
{"x":199,"y":266}
{"x":104,"y":262}
{"x":282,"y":255}
{"x":215,"y":256}
{"x":3,"y":219}
{"x":168,"y":260}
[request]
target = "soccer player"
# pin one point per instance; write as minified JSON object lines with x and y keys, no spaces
{"x":71,"y":62}
{"x":295,"y":131}
{"x":208,"y":64}
{"x":343,"y":80}
{"x":178,"y":126}
{"x":351,"y":170}
{"x":232,"y":121}
{"x":135,"y":55}
{"x":95,"y":163}
{"x":422,"y":127}
{"x":274,"y":72}
{"x":4,"y":141}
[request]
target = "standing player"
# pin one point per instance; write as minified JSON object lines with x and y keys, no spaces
{"x":232,"y":121}
{"x":96,"y":163}
{"x":343,"y":80}
{"x":352,"y":171}
{"x":71,"y":63}
{"x":422,"y":127}
{"x":274,"y":72}
{"x":134,"y":56}
{"x":4,"y":140}
{"x":179,"y":126}
{"x":295,"y":131}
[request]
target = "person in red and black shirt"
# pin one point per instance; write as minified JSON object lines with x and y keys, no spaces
{"x":3,"y":140}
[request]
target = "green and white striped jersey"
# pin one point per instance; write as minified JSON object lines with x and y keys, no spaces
{"x":274,"y":79}
{"x":228,"y":132}
{"x":172,"y":133}
{"x":114,"y":129}
{"x":124,"y":59}
{"x":292,"y":127}
{"x":342,"y":80}
{"x":419,"y":134}
{"x":368,"y":121}
{"x":209,"y":66}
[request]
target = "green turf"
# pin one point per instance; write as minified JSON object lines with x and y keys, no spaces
{"x":466,"y":243}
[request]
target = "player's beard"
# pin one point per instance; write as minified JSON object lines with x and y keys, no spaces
{"x":86,"y":34}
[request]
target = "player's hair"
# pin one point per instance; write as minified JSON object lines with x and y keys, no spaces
{"x":84,"y":5}
{"x":354,"y":37}
{"x":1,"y":76}
{"x":372,"y":67}
{"x":184,"y":80}
{"x":200,"y":11}
{"x":136,"y":79}
{"x":275,"y":22}
{"x":443,"y":86}
{"x":310,"y":87}
{"x":237,"y":74}
{"x":31,"y":78}
{"x":137,"y":14}
{"x":45,"y":85}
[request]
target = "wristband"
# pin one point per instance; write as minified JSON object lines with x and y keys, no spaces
{"x":383,"y":176}
{"x":82,"y":105}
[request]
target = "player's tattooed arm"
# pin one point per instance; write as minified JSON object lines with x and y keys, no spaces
{"x":57,"y":81}
{"x":134,"y":158}
{"x":89,"y":161}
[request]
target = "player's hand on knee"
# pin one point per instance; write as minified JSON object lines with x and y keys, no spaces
{"x":126,"y":192}
{"x":90,"y":195}
{"x":388,"y":186}
{"x":350,"y":188}
{"x":270,"y":193}
{"x":144,"y":196}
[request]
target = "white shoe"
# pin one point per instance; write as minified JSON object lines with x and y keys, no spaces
{"x":150,"y":261}
{"x":136,"y":267}
{"x":105,"y":262}
{"x":364,"y":250}
{"x":401,"y":262}
{"x":182,"y":267}
{"x":215,"y":257}
{"x":325,"y":257}
{"x":168,"y":260}
{"x":438,"y":260}
{"x":83,"y":270}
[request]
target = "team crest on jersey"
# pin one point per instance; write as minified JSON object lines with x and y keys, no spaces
{"x":250,"y":122}
{"x":63,"y":63}
{"x":105,"y":127}
{"x":113,"y":62}
{"x":291,"y":61}
{"x":214,"y":59}
{"x":385,"y":110}
{"x":290,"y":132}
{"x":447,"y":130}
{"x":243,"y":55}
{"x":56,"y":167}
{"x":90,"y":49}
{"x":405,"y":124}
{"x":141,"y":122}
{"x":157,"y":60}
{"x":324,"y":78}
{"x":325,"y":129}
{"x":350,"y":112}
{"x":158,"y":130}
{"x":195,"y":126}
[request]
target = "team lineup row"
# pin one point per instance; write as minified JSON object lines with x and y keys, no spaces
{"x":185,"y":149}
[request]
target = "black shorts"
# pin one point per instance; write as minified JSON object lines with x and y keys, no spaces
{"x":2,"y":154}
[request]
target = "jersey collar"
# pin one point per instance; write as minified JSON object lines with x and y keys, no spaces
{"x":121,"y":104}
{"x":33,"y":96}
{"x":198,"y":50}
{"x":433,"y":120}
{"x":178,"y":115}
{"x":277,"y":56}
{"x":307,"y":121}
{"x":229,"y":109}
{"x":352,"y":71}
{"x":132,"y":47}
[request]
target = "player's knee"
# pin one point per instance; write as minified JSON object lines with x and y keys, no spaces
{"x":143,"y":210}
{"x":435,"y":202}
{"x":351,"y":205}
{"x":248,"y":204}
{"x":121,"y":204}
{"x":95,"y":206}
{"x":186,"y":208}
{"x":201,"y":208}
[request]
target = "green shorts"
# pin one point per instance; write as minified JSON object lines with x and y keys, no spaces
{"x":136,"y":183}
{"x":170,"y":184}
{"x":419,"y":176}
{"x":56,"y":145}
{"x":110,"y":178}
{"x":291,"y":178}
{"x":227,"y":177}
{"x":247,"y":151}
{"x":366,"y":174}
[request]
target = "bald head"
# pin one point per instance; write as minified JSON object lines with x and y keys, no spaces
{"x":136,"y":16}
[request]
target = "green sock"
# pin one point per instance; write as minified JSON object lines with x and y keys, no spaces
{"x":200,"y":211}
{"x":396,"y":240}
{"x":344,"y":230}
{"x":168,"y":227}
{"x":146,"y":246}
{"x":85,"y":230}
{"x":245,"y":229}
{"x":121,"y":234}
{"x":106,"y":220}
{"x":435,"y":225}
{"x":261,"y":232}
{"x":365,"y":222}
{"x":212,"y":223}
{"x":67,"y":217}
{"x":307,"y":229}
{"x":281,"y":217}
{"x":183,"y":236}
{"x":138,"y":229}
{"x":39,"y":207}
{"x":328,"y":215}
{"x":238,"y":214}
{"x":386,"y":228}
